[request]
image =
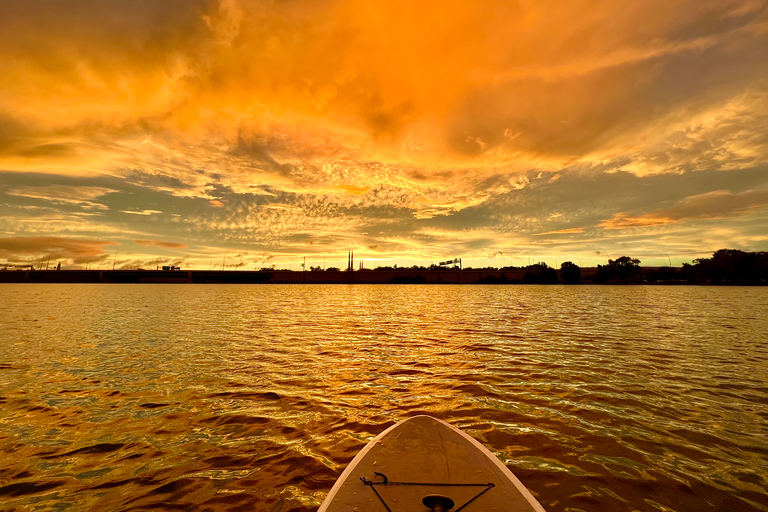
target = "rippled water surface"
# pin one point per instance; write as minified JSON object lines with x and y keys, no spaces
{"x":255,"y":397}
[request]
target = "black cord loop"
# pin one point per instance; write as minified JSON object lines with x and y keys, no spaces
{"x":372,"y":485}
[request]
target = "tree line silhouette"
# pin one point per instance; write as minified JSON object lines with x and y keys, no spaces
{"x":725,"y":267}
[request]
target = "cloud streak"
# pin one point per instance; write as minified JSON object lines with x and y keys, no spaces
{"x":83,"y":196}
{"x":161,"y":243}
{"x":712,"y":205}
{"x":25,"y":249}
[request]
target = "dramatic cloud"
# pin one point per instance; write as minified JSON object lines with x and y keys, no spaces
{"x":265,"y":125}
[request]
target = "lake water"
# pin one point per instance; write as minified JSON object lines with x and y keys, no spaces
{"x":255,"y":397}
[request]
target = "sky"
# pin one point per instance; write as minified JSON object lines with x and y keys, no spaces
{"x":244,"y":134}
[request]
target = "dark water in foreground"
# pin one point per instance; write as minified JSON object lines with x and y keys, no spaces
{"x":187,"y":397}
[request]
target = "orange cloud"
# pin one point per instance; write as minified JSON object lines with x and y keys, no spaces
{"x":563,"y":231}
{"x":28,"y":248}
{"x":622,"y":221}
{"x":160,"y":243}
{"x":84,"y":196}
{"x":429,"y":84}
{"x":141,"y":212}
{"x":712,"y":205}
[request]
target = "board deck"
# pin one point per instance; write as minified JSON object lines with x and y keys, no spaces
{"x":423,"y":456}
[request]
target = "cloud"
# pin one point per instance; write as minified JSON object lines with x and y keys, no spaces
{"x":152,"y":262}
{"x":566,"y":231}
{"x":727,"y":136}
{"x":282,"y":206}
{"x":160,"y":243}
{"x":51,"y":149}
{"x":622,"y":221}
{"x":141,"y":212}
{"x":712,"y":205}
{"x":278,"y":81}
{"x":278,"y":123}
{"x":720,"y":203}
{"x":110,"y":57}
{"x":430,"y":213}
{"x":80,"y":195}
{"x":17,"y":249}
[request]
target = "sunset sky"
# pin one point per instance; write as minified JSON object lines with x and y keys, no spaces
{"x":256,"y":133}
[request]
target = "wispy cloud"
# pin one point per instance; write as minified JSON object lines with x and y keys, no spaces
{"x":161,"y":243}
{"x":712,"y":205}
{"x":20,"y":249}
{"x":141,"y":212}
{"x":83,"y":195}
{"x":567,"y":231}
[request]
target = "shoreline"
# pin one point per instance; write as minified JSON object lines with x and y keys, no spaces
{"x":403,"y":276}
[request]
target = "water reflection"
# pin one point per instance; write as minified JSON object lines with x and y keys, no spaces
{"x":233,"y":397}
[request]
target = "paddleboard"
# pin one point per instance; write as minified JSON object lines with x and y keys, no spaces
{"x":423,"y":464}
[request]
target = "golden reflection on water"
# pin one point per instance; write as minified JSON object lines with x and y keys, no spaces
{"x":138,"y":397}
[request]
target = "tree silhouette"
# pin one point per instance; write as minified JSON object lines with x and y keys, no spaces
{"x":570,"y":273}
{"x":540,"y":273}
{"x":733,"y":266}
{"x":623,"y":269}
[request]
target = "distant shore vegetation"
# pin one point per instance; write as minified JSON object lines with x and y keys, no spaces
{"x":726,"y":266}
